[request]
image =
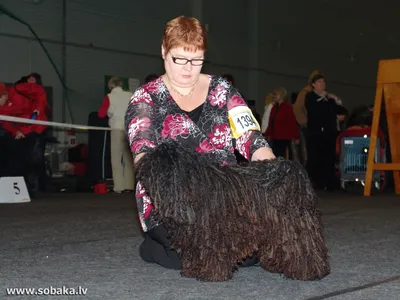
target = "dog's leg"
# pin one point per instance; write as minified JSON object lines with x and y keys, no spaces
{"x":294,"y":244}
{"x":270,"y":252}
{"x":305,"y":252}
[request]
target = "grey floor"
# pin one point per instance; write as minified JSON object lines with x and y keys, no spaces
{"x":92,"y":241}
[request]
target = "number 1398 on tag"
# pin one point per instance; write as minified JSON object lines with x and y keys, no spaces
{"x":242,"y":122}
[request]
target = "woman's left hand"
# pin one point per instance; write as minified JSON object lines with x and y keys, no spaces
{"x":336,"y":98}
{"x":262,"y":154}
{"x":19,"y":135}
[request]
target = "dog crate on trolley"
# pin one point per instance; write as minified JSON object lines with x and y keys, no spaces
{"x":354,"y":159}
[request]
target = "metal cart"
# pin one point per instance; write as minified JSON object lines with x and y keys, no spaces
{"x":354,"y":158}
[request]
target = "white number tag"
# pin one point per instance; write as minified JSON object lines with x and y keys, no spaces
{"x":242,"y":120}
{"x":13,"y":190}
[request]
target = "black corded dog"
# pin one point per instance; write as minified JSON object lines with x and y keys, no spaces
{"x":219,"y":215}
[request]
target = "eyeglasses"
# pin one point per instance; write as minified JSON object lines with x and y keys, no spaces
{"x":184,"y":61}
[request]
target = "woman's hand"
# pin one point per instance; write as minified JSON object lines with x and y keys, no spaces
{"x":19,"y":135}
{"x":336,"y":98}
{"x":262,"y":154}
{"x":137,"y":158}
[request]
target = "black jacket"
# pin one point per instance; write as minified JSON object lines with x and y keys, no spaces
{"x":321,"y":114}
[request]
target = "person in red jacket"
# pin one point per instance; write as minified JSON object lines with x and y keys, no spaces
{"x":282,"y":127}
{"x":25,"y":100}
{"x":24,"y":141}
{"x":3,"y":94}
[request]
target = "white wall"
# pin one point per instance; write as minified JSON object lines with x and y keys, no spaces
{"x":264,"y":44}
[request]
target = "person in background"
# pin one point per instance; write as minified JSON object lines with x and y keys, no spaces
{"x":229,"y":78}
{"x":342,"y":115}
{"x":301,"y":116}
{"x":42,"y":180}
{"x":27,"y":99}
{"x":360,"y":116}
{"x":299,"y":151}
{"x":269,"y":101}
{"x":322,"y":130}
{"x":3,"y":94}
{"x":26,"y":152}
{"x":31,"y":78}
{"x":3,"y":133}
{"x":150,"y":77}
{"x":299,"y":108}
{"x":114,"y":106}
{"x":282,"y":127}
{"x":34,"y":78}
{"x":293,"y":98}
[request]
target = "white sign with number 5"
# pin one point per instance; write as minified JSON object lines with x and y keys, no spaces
{"x":13,"y":190}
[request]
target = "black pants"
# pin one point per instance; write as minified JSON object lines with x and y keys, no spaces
{"x":321,"y":152}
{"x":4,"y":152}
{"x":25,"y":157}
{"x":156,"y":248}
{"x":279,"y":147}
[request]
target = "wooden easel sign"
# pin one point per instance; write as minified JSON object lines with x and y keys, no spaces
{"x":388,"y":88}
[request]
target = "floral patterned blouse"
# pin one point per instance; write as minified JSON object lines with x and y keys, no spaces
{"x":225,"y":123}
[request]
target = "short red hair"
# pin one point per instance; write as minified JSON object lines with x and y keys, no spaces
{"x":184,"y":32}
